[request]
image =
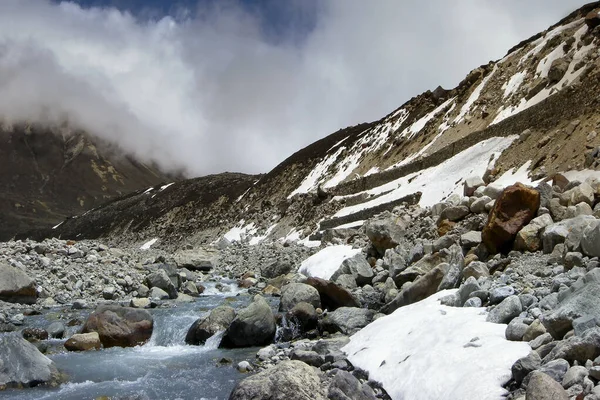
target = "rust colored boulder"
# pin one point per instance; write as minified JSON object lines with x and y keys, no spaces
{"x":120,"y":326}
{"x":332,"y":295}
{"x":515,"y":208}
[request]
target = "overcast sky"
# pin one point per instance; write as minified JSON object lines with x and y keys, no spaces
{"x":239,"y":86}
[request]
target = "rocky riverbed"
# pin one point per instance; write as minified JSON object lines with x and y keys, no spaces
{"x":524,"y":258}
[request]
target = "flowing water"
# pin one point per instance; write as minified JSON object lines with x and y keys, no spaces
{"x":164,"y":368}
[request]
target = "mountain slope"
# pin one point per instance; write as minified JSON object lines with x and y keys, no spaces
{"x":49,"y":174}
{"x":526,"y":116}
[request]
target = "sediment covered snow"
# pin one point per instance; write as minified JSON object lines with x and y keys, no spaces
{"x":466,"y":108}
{"x":436,"y":183}
{"x":324,"y":263}
{"x":428,"y":351}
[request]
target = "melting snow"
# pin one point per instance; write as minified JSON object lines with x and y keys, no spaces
{"x":437,"y":182}
{"x":324,"y":263}
{"x":514,"y":83}
{"x":428,"y":351}
{"x":420,"y":124}
{"x":240,"y":232}
{"x":148,"y":244}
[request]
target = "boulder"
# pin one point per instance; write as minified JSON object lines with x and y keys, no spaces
{"x":470,"y":239}
{"x":515,"y":208}
{"x":347,"y":320}
{"x":385,"y":231}
{"x":56,"y":330}
{"x":592,"y":19}
{"x":590,"y":240}
{"x":558,"y":69}
{"x":120,"y":326}
{"x":525,"y":365}
{"x":217,"y":320}
{"x":332,"y":296}
{"x":529,"y":238}
{"x":22,"y":365}
{"x":581,"y":299}
{"x":161,"y":280}
{"x":478,"y":206}
{"x":16,"y":286}
{"x":358,"y":267}
{"x":305,"y":316}
{"x":422,"y":288}
{"x":579,"y":194}
{"x":83,"y":342}
{"x":276,"y":268}
{"x":200,"y":259}
{"x":295,"y":293}
{"x":158,"y":293}
{"x":577,"y":348}
{"x":288,"y":380}
{"x":476,"y":269}
{"x":253,"y":326}
{"x":454,"y":213}
{"x":543,"y":387}
{"x":346,"y":386}
{"x":309,"y":357}
{"x":504,"y":312}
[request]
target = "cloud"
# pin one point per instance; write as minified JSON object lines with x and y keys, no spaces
{"x":213,"y":91}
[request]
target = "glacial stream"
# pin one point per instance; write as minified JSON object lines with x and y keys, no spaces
{"x":164,"y":368}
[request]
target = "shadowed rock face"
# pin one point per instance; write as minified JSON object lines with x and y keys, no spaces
{"x":48,"y":175}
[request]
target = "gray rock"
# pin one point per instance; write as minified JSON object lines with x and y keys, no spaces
{"x":16,"y":286}
{"x":473,"y":302}
{"x":581,"y":299}
{"x":584,"y":323}
{"x":289,"y":380}
{"x":358,"y":267}
{"x":347,"y":320}
{"x":217,"y":320}
{"x":345,"y":386}
{"x":543,"y":387}
{"x":556,"y":369}
{"x":471,"y":184}
{"x":535,"y":329}
{"x":582,"y":193}
{"x":276,"y":268}
{"x":56,"y":330}
{"x":574,"y":376}
{"x":516,"y":329}
{"x":454,"y":213}
{"x":444,"y":242}
{"x":470,"y":239}
{"x":569,"y":231}
{"x":540,"y":341}
{"x":199,"y":259}
{"x":478,"y":206}
{"x":385,"y":231}
{"x":295,"y":293}
{"x":346,"y":281}
{"x":476,"y":269}
{"x":309,"y":357}
{"x":590,"y":242}
{"x":469,"y":286}
{"x":158,"y":293}
{"x":22,"y":364}
{"x":504,"y":312}
{"x":528,"y":238}
{"x":493,"y":190}
{"x":244,"y":366}
{"x":525,"y":365}
{"x":161,"y":280}
{"x":577,"y":348}
{"x":253,"y":326}
{"x":498,"y":294}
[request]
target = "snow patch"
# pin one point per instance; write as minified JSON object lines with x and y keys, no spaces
{"x":410,"y":349}
{"x":514,"y":83}
{"x":466,"y":108}
{"x":324,"y":263}
{"x":148,"y":244}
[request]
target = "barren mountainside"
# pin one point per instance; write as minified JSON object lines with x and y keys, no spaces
{"x":530,"y":115}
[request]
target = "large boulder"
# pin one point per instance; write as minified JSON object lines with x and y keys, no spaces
{"x":346,"y":386}
{"x":16,"y":286}
{"x":582,"y":193}
{"x":253,"y":326}
{"x":590,"y":240}
{"x":200,"y":259}
{"x":347,"y":320}
{"x":581,"y":299}
{"x":358,"y":267}
{"x":419,"y":290}
{"x":295,"y":293}
{"x":529,"y":238}
{"x":276,"y":268}
{"x":288,"y":380}
{"x":160,"y":279}
{"x":120,"y":326}
{"x":543,"y":387}
{"x":471,"y":184}
{"x":385,"y":231}
{"x":332,"y":295}
{"x":557,"y":70}
{"x":515,"y":208}
{"x":577,"y":348}
{"x":22,"y":364}
{"x":218,"y":320}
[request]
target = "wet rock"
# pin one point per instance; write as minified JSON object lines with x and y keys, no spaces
{"x":56,"y":330}
{"x":290,"y":380}
{"x":305,"y":316}
{"x":218,"y":320}
{"x":514,"y":209}
{"x":16,"y":286}
{"x":83,"y":342}
{"x":120,"y":326}
{"x":22,"y":364}
{"x":253,"y":326}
